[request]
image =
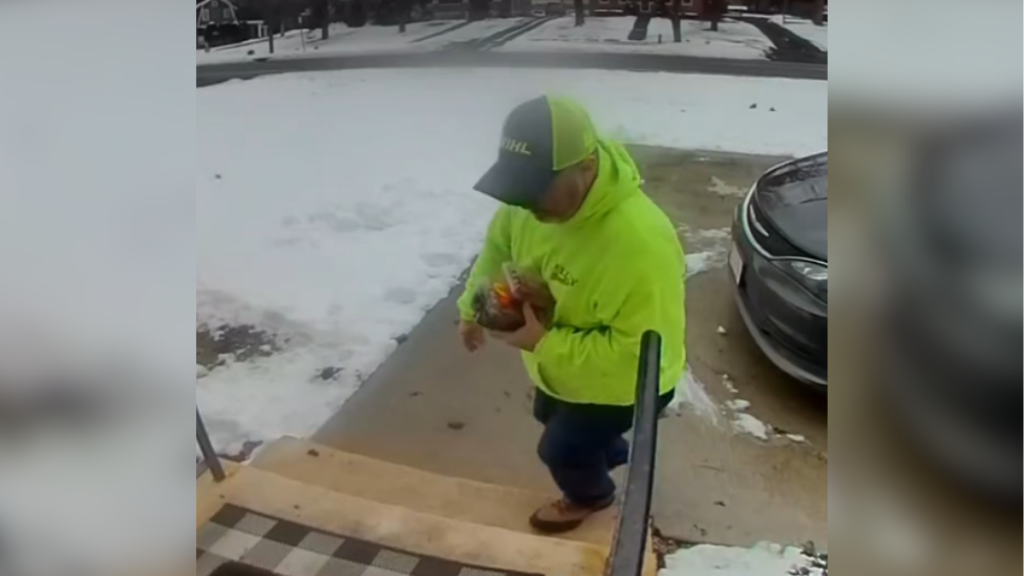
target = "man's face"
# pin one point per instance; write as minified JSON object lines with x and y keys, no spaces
{"x":567,"y":193}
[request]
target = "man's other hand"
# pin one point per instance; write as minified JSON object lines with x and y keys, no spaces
{"x":527,"y":337}
{"x":539,"y":296}
{"x":472,"y":335}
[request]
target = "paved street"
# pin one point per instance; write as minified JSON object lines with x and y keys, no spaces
{"x":435,"y":407}
{"x":210,"y":74}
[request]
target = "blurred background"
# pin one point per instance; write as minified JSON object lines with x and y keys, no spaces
{"x":925,"y":131}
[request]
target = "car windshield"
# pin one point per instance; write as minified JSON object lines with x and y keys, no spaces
{"x":801,"y":182}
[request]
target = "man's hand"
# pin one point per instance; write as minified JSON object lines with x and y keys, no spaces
{"x":527,"y":337}
{"x":538,"y":295}
{"x":472,"y":335}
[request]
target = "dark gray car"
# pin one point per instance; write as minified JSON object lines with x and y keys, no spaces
{"x":779,"y":264}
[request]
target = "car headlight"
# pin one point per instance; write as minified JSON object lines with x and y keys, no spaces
{"x":813,"y":277}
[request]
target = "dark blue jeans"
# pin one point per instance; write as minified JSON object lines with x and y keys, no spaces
{"x":583,"y":443}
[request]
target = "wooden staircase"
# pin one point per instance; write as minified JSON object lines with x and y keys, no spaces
{"x":407,"y":509}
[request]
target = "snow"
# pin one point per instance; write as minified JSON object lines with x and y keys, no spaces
{"x":562,"y":33}
{"x":733,"y":40}
{"x":747,"y":424}
{"x":611,"y":34}
{"x":762,"y":560}
{"x":744,"y":423}
{"x":692,"y":395}
{"x":738,"y":405}
{"x":729,"y":385}
{"x":718,"y":186}
{"x":707,"y":249}
{"x":817,"y":35}
{"x":481,"y":29}
{"x":309,"y":230}
{"x":700,"y":262}
{"x":363,"y":40}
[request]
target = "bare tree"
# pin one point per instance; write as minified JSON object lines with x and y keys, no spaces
{"x":276,"y":13}
{"x":715,"y":10}
{"x":818,"y":15}
{"x":677,"y":15}
{"x":272,"y":15}
{"x":580,"y":18}
{"x":320,"y":11}
{"x":477,"y":10}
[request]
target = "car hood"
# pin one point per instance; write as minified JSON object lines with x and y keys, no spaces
{"x":794,"y":199}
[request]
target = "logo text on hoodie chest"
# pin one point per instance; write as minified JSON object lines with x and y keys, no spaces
{"x":561,"y":275}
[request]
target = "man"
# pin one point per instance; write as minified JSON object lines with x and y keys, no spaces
{"x":574,"y":213}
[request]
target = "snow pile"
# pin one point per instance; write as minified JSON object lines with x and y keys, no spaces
{"x":700,"y":262}
{"x":762,"y":560}
{"x":817,"y":35}
{"x":706,"y":250}
{"x":692,"y":395}
{"x":747,"y":424}
{"x":611,"y":34}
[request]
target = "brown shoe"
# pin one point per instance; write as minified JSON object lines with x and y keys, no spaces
{"x":563,"y":516}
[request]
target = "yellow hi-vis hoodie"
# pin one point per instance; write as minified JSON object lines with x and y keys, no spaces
{"x":616,"y":270}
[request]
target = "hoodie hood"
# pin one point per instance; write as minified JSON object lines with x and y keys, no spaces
{"x":618,"y":179}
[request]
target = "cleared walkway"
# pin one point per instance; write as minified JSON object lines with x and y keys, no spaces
{"x":437,"y":408}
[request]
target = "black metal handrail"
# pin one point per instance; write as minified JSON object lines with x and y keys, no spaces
{"x":210,"y":459}
{"x":630,"y":543}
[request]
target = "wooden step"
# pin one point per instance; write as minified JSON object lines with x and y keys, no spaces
{"x":454,"y":498}
{"x":397,"y":527}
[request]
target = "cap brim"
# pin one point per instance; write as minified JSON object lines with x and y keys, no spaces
{"x":515,"y":183}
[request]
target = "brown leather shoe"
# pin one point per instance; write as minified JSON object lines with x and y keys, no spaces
{"x":564,"y":516}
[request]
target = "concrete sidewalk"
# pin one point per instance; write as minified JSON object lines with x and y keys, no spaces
{"x":436,"y":407}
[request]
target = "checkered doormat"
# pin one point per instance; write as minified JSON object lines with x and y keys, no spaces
{"x":240,"y":542}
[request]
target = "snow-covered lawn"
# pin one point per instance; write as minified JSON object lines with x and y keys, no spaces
{"x":732,"y":40}
{"x":762,"y":560}
{"x":817,"y":35}
{"x":364,"y":40}
{"x":338,"y":219}
{"x":611,"y":34}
